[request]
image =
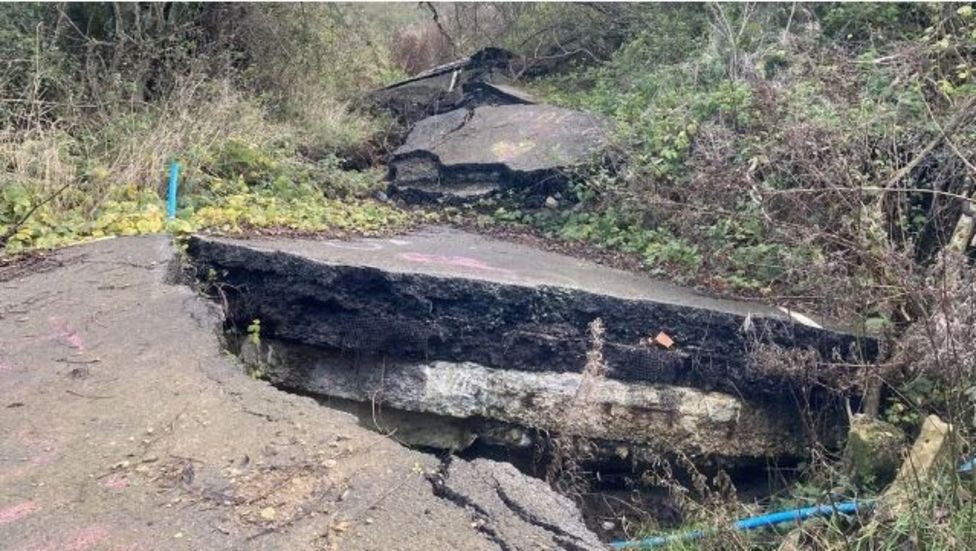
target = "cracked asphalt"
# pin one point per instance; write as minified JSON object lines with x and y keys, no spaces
{"x":125,"y":426}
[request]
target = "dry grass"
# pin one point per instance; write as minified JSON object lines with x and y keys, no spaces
{"x":133,"y":148}
{"x":569,"y":451}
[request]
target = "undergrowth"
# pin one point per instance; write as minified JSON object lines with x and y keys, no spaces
{"x":798,"y":153}
{"x":232,"y":187}
{"x":254,"y":103}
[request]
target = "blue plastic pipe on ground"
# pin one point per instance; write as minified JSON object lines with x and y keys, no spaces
{"x":967,"y":468}
{"x":751,"y":523}
{"x":172,"y":189}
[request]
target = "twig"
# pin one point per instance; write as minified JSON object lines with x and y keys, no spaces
{"x":880,"y":60}
{"x":875,"y":189}
{"x":948,"y":140}
{"x":437,"y":21}
{"x":789,"y":23}
{"x":89,"y":396}
{"x":16,"y":225}
{"x":964,"y":112}
{"x":80,"y":362}
{"x":376,"y":502}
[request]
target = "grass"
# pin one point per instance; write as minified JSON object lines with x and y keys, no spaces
{"x":243,"y":172}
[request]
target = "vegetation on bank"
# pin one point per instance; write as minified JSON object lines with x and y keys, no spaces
{"x":254,"y":102}
{"x":821,"y":155}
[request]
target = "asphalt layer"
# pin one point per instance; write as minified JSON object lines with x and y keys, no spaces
{"x":523,"y":138}
{"x":453,"y":253}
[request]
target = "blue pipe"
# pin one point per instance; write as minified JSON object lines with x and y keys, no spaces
{"x":799,"y":515}
{"x":770,"y":519}
{"x":751,"y":523}
{"x":174,"y":184}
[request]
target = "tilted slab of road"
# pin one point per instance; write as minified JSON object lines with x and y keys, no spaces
{"x":448,"y":295}
{"x":451,"y":323}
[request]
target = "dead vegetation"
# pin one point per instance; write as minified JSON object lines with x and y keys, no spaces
{"x":568,"y":451}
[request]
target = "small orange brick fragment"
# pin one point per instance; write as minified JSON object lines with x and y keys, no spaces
{"x":664,"y":340}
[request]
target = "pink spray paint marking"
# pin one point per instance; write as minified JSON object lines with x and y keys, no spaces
{"x":116,"y":482}
{"x":39,"y":452}
{"x":458,"y":261}
{"x":17,"y":512}
{"x":86,"y":538}
{"x":60,"y":330}
{"x":81,"y":539}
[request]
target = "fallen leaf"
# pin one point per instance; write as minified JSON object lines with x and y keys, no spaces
{"x":664,"y":340}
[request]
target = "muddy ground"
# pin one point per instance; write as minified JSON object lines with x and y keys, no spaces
{"x":124,"y":425}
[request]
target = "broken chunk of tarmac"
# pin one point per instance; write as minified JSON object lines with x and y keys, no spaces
{"x":469,"y":153}
{"x":504,"y":500}
{"x":510,"y":322}
{"x":470,"y":133}
{"x":480,"y":79}
{"x":124,"y":425}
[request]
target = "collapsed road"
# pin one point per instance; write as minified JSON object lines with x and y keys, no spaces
{"x":124,"y":425}
{"x":458,"y":325}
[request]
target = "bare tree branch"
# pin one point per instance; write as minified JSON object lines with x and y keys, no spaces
{"x":963,"y":114}
{"x":437,"y":21}
{"x":16,"y":225}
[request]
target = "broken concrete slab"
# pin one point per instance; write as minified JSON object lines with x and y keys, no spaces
{"x":125,"y":425}
{"x":468,"y":82}
{"x":469,"y":153}
{"x":446,"y":295}
{"x":929,"y":457}
{"x":661,"y":418}
{"x":873,"y":451}
{"x":472,"y":133}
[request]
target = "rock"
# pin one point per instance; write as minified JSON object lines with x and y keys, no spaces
{"x":468,"y":82}
{"x":469,"y":153}
{"x":873,"y":452}
{"x":551,"y":202}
